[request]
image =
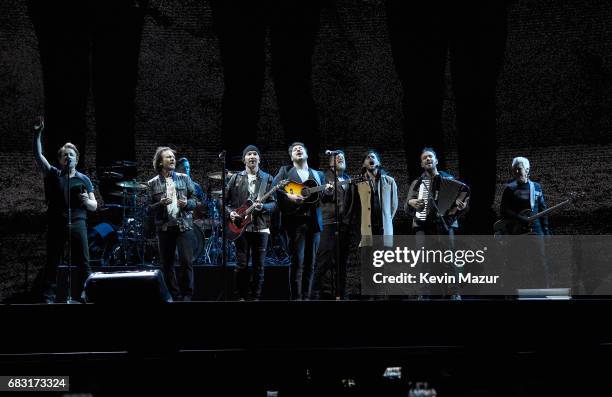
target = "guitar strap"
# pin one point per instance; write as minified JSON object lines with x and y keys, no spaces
{"x":532,"y":194}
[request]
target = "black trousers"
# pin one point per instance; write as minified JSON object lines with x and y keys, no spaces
{"x":324,"y":287}
{"x":304,"y":241}
{"x":169,"y":242}
{"x":438,"y":238}
{"x":251,"y":245}
{"x":241,"y":27}
{"x":57,"y":236}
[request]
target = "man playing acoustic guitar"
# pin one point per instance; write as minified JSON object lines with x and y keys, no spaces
{"x":301,"y":217}
{"x":250,"y":186}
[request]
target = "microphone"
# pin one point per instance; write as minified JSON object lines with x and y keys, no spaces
{"x":332,"y":152}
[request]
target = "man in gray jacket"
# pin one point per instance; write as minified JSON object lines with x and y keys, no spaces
{"x":378,"y":199}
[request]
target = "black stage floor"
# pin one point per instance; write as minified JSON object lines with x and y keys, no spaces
{"x":470,"y":347}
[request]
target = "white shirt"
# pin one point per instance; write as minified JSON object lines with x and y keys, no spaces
{"x":252,"y":182}
{"x":303,"y":174}
{"x":172,"y":208}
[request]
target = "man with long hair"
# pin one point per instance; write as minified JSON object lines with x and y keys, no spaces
{"x":171,"y":200}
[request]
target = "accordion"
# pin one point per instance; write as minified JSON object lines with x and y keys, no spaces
{"x":441,"y":194}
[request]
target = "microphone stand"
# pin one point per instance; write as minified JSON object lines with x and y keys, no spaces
{"x":69,"y":299}
{"x":336,"y":285}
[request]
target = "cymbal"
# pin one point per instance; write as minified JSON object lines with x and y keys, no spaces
{"x":112,"y":175}
{"x":125,"y":163}
{"x":119,"y":206}
{"x":216,"y":193}
{"x":119,"y":194}
{"x":131,"y":185}
{"x":217,"y":174}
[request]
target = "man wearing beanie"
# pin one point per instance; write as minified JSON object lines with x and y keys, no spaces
{"x":251,"y":184}
{"x":302,"y":222}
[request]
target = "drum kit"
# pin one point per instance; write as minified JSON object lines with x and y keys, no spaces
{"x":123,"y":234}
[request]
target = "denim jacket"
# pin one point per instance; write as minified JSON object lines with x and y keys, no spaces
{"x":157,"y":190}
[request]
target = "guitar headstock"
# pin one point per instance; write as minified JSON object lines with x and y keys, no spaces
{"x":282,"y":184}
{"x":575,"y":195}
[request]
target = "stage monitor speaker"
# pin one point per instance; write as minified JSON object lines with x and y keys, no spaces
{"x":146,"y":286}
{"x":544,"y":294}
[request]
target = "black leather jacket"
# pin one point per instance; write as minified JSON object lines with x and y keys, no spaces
{"x":237,"y":194}
{"x":348,"y":203}
{"x":157,"y":190}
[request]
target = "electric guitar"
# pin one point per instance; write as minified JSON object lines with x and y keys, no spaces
{"x":236,"y":227}
{"x":513,"y":226}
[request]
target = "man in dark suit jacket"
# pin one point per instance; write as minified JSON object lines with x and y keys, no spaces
{"x":251,"y":184}
{"x":302,"y":222}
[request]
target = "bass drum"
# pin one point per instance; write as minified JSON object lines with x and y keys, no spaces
{"x":146,"y":252}
{"x":102,"y":239}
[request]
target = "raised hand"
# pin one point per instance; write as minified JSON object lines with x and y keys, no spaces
{"x":39,"y":124}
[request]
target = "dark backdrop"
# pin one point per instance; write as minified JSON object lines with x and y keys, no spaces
{"x":554,"y":98}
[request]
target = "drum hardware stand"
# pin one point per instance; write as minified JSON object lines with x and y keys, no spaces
{"x":124,"y":225}
{"x":222,"y":157}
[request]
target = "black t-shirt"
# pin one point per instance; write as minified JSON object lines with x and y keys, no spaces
{"x":56,"y":193}
{"x":519,"y":199}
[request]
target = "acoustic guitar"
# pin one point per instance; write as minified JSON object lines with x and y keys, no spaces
{"x":308,"y":190}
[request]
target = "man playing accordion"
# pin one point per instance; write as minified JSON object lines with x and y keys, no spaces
{"x":435,"y":199}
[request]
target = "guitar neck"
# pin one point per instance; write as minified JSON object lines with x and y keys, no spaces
{"x":322,"y":187}
{"x":548,"y":210}
{"x":263,"y":198}
{"x":316,"y":189}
